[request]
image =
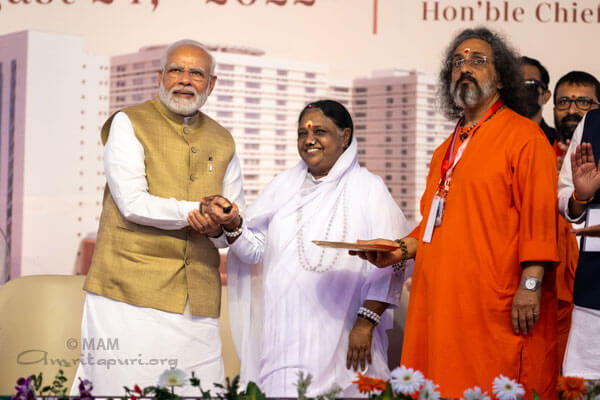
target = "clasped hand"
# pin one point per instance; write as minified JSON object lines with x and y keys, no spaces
{"x":213,"y":215}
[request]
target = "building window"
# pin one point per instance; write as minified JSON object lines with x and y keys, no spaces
{"x":360,"y":90}
{"x":360,"y":102}
{"x":310,"y":90}
{"x":282,"y":72}
{"x":121,"y":68}
{"x":310,"y":75}
{"x":250,"y":177}
{"x":225,"y":99}
{"x":251,"y":146}
{"x":388,"y":139}
{"x":388,"y":88}
{"x":403,"y":190}
{"x":388,"y":177}
{"x":281,"y":87}
{"x":225,"y":82}
{"x":225,"y":67}
{"x":430,"y":139}
{"x":388,"y":152}
{"x":281,"y":102}
{"x":252,"y":100}
{"x":360,"y":127}
{"x":251,"y":161}
{"x":251,"y":131}
{"x":280,"y":162}
{"x":388,"y":114}
{"x":388,"y":164}
{"x":403,"y":152}
{"x":280,"y":132}
{"x":252,"y":115}
{"x":430,"y":126}
{"x":253,"y":85}
{"x":388,"y":126}
{"x":280,"y":117}
{"x":138,"y":81}
{"x":138,"y":65}
{"x":362,"y":151}
{"x":280,"y":147}
{"x":254,"y":70}
{"x":389,"y":100}
{"x":404,"y":100}
{"x":225,"y":114}
{"x":361,"y":139}
{"x":360,"y":115}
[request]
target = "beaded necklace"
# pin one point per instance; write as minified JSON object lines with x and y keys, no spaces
{"x":304,"y":263}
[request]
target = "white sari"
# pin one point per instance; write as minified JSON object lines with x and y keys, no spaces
{"x":295,"y":311}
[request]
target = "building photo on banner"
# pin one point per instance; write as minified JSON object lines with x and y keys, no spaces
{"x":67,"y":66}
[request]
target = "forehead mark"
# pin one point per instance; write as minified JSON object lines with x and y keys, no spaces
{"x":308,"y":124}
{"x":467,"y":51}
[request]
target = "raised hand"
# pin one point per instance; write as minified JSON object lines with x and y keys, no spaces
{"x":586,"y":174}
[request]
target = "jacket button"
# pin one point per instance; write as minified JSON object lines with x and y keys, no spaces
{"x":186,"y":130}
{"x":187,"y":261}
{"x":192,"y":177}
{"x":193,"y":149}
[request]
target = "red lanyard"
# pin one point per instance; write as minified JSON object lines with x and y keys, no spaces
{"x":447,"y":165}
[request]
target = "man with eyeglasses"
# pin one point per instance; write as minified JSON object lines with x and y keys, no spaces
{"x":483,"y":298}
{"x":579,"y":191}
{"x":574,"y":95}
{"x":154,"y":287}
{"x":536,"y":80}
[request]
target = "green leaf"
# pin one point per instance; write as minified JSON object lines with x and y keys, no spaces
{"x":388,"y":393}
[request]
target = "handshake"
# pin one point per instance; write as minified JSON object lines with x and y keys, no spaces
{"x":214,"y":215}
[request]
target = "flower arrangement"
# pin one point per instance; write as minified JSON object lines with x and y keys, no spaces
{"x":404,"y":384}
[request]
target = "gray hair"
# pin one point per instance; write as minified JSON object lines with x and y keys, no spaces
{"x":187,"y":42}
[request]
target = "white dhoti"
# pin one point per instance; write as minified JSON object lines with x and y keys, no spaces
{"x":582,"y":357}
{"x":125,"y":345}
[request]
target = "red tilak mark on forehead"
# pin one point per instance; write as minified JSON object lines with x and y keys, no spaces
{"x":308,"y":124}
{"x":467,"y":50}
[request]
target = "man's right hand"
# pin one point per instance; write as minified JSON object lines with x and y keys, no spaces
{"x":380,"y":259}
{"x":586,"y":175}
{"x":203,"y":223}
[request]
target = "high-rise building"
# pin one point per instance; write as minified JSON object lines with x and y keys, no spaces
{"x":53,"y":99}
{"x":257,"y":98}
{"x":398,"y":129}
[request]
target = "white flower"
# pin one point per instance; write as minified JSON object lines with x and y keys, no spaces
{"x":172,"y":377}
{"x":406,"y":380}
{"x":475,"y":394}
{"x":428,"y":391}
{"x":507,"y":389}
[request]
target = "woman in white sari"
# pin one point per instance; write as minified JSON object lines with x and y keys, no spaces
{"x":297,"y":311}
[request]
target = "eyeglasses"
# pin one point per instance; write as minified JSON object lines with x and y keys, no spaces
{"x":582,"y":103}
{"x":475,"y":61}
{"x":176,"y":72}
{"x":534,"y":84}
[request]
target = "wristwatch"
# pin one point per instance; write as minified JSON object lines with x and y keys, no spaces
{"x":530,"y":283}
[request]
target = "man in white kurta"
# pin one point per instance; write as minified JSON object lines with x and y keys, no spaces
{"x":140,"y":336}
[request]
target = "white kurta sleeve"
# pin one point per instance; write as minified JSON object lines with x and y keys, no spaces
{"x":388,"y":222}
{"x":250,"y":246}
{"x":234,"y":192}
{"x":565,"y":178}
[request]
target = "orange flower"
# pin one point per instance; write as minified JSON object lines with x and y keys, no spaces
{"x":367,"y":384}
{"x":571,"y":388}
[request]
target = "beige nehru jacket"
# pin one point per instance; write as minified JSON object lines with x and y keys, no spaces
{"x":151,"y":267}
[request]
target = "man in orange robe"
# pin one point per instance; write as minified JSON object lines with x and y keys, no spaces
{"x":483,"y":297}
{"x":536,"y":80}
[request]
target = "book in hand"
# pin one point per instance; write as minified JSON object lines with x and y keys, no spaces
{"x":356,"y":246}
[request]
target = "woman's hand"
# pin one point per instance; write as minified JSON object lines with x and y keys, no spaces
{"x":359,"y":344}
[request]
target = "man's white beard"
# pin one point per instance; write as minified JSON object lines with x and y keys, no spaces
{"x":182,"y":106}
{"x":471,"y":95}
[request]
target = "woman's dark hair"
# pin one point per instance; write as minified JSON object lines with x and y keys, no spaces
{"x":334,"y":111}
{"x":508,"y":69}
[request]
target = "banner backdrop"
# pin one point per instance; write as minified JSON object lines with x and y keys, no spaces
{"x":45,"y":231}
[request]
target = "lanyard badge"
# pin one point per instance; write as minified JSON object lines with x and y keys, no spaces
{"x":436,"y":212}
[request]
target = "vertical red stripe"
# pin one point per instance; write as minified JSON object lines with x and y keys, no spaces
{"x":374,"y":17}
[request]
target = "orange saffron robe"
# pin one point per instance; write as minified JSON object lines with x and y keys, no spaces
{"x":501,"y":211}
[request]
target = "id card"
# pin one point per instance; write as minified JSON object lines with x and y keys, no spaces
{"x":433,"y":212}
